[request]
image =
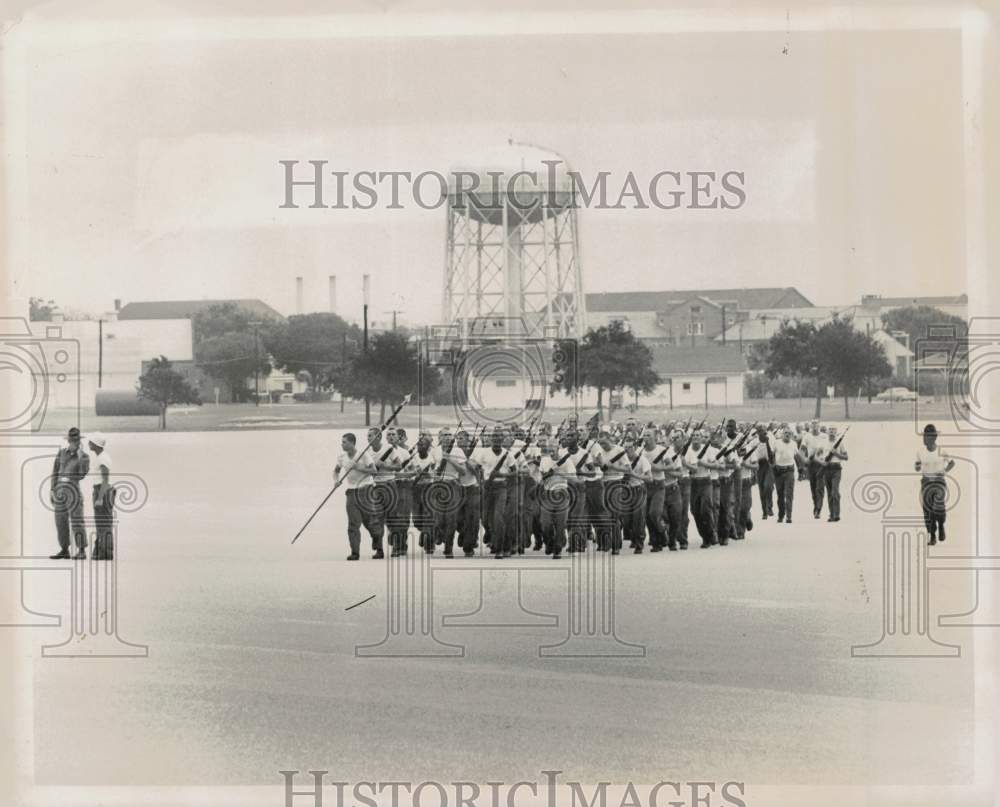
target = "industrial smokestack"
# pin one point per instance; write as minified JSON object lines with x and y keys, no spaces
{"x":333,"y":294}
{"x":118,"y":304}
{"x":298,"y":295}
{"x":366,"y":288}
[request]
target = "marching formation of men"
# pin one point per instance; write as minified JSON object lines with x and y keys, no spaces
{"x":559,"y":489}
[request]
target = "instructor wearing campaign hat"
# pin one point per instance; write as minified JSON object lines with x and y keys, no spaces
{"x":71,"y":466}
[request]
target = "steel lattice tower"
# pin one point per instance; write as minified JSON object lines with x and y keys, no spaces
{"x":512,"y":246}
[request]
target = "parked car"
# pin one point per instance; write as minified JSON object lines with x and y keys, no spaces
{"x":896,"y":394}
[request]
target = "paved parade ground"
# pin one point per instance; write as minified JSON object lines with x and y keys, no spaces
{"x":747,"y":672}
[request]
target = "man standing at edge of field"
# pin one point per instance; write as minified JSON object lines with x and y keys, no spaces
{"x":72,"y":464}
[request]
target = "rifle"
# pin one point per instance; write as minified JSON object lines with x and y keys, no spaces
{"x":496,"y":468}
{"x":738,"y":442}
{"x":708,"y":442}
{"x":837,"y":444}
{"x":339,"y":482}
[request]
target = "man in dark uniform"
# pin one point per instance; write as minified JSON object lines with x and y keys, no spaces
{"x":72,"y":465}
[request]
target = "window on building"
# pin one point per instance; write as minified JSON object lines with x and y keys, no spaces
{"x":506,"y":382}
{"x":686,"y":386}
{"x":288,"y":386}
{"x":696,"y":309}
{"x":697,"y":328}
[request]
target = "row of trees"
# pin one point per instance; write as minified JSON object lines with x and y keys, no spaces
{"x":833,"y":354}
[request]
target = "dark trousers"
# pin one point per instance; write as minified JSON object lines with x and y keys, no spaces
{"x":446,"y":502}
{"x":104,"y":518}
{"x":577,"y":525}
{"x":514,"y":511}
{"x":672,"y":505}
{"x":598,"y":516}
{"x":816,"y":485}
{"x":784,"y":483}
{"x":68,"y":504}
{"x":933,"y":494}
{"x":378,"y":501}
{"x":744,"y":521}
{"x":423,"y":518}
{"x":494,"y":510}
{"x":655,"y":491}
{"x":554,"y":509}
{"x":831,"y":480}
{"x":399,"y":519}
{"x":727,"y":505}
{"x":765,"y":487}
{"x":358,"y":515}
{"x":468,"y":518}
{"x":703,"y":510}
{"x":685,"y":486}
{"x":634,"y":516}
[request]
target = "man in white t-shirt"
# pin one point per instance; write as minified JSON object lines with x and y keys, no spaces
{"x":104,"y":498}
{"x":932,"y":464}
{"x":358,"y":472}
{"x":786,"y":454}
{"x":497,"y":466}
{"x":831,"y":454}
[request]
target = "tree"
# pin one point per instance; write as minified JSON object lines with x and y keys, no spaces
{"x":849,"y":357}
{"x":607,"y":358}
{"x":164,"y":385}
{"x":321,"y":344}
{"x":835,"y":353}
{"x":232,"y":358}
{"x":388,"y":371}
{"x":40,"y":310}
{"x":924,"y":322}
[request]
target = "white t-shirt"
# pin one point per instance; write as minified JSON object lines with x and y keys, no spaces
{"x":784,"y":453}
{"x":640,"y":466}
{"x":558,"y":475}
{"x":355,"y":478}
{"x":389,"y":453}
{"x":616,"y":459}
{"x":488,"y":460}
{"x":652,"y":454}
{"x":932,"y":463}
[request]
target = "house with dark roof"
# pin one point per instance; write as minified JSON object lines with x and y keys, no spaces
{"x":687,"y":316}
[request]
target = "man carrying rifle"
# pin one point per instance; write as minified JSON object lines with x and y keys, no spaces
{"x":421,"y":470}
{"x":814,"y":447}
{"x":576,"y":462}
{"x":637,"y":475}
{"x":445,"y":495}
{"x":497,"y":468}
{"x":724,"y":445}
{"x":359,"y":475}
{"x":399,"y":518}
{"x":747,"y":467}
{"x":655,"y":490}
{"x":614,"y":463}
{"x":832,"y":459}
{"x":699,"y":461}
{"x":674,"y":474}
{"x":554,"y":497}
{"x":469,"y":510}
{"x":380,"y":500}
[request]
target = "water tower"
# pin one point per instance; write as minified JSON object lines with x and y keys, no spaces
{"x":512,"y":245}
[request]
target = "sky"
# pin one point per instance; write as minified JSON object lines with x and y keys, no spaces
{"x":151,"y":152}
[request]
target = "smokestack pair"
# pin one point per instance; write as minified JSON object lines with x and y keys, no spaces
{"x":332,"y":291}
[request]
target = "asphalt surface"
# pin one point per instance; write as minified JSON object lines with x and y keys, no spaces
{"x":747,"y":670}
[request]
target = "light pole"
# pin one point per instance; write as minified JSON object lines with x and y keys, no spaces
{"x":256,"y":363}
{"x":365,"y":286}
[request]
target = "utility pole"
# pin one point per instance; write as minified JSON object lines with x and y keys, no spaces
{"x":343,"y":360}
{"x":256,"y":364}
{"x":723,"y":324}
{"x":368,"y":403}
{"x":394,"y":312}
{"x":100,"y":352}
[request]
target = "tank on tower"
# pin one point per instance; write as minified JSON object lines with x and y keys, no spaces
{"x":512,"y":251}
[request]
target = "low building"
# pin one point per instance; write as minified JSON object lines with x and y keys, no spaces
{"x":708,"y":376}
